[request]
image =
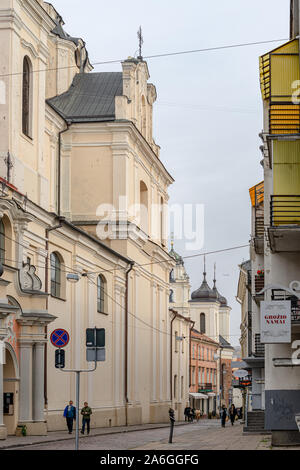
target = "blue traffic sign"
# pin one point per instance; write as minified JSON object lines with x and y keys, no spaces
{"x":59,"y":338}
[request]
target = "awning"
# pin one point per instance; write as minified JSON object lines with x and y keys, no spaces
{"x":199,"y":395}
{"x":211,"y":394}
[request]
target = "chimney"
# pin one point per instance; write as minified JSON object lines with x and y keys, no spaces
{"x":294,"y":19}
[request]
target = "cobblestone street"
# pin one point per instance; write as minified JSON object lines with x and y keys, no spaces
{"x":205,"y":435}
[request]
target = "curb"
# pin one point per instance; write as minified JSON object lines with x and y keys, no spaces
{"x":67,"y":438}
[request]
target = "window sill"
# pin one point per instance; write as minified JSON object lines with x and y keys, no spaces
{"x":102,"y":313}
{"x":27,"y":138}
{"x":58,"y":298}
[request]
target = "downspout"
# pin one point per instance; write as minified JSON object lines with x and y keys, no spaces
{"x":190,"y":353}
{"x":47,"y":231}
{"x":59,"y":168}
{"x":126,"y":343}
{"x":171,"y":357}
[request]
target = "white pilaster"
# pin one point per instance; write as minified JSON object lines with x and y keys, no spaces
{"x":25,"y":404}
{"x":38,"y":382}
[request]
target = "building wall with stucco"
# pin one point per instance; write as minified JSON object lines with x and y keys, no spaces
{"x":60,"y":175}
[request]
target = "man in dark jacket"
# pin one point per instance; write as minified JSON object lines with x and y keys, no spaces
{"x":86,"y":417}
{"x":70,"y":415}
{"x":223,"y":415}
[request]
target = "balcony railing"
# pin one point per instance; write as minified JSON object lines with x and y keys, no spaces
{"x":278,"y":294}
{"x":259,"y":283}
{"x":285,"y":210}
{"x":259,"y":347}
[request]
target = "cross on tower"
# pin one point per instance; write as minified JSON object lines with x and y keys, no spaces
{"x":141,"y":42}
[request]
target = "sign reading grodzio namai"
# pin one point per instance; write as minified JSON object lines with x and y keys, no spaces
{"x":275,"y":322}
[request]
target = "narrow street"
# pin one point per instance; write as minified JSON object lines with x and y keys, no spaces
{"x":205,"y":435}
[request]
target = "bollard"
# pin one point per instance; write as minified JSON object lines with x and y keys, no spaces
{"x":172,"y":421}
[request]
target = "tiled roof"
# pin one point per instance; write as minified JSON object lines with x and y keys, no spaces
{"x":90,"y":98}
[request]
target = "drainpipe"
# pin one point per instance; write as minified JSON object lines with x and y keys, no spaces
{"x":190,"y":353}
{"x":59,"y":168}
{"x":171,"y":358}
{"x":47,"y":231}
{"x":126,"y":342}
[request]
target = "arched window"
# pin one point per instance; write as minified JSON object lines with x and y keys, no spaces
{"x":2,"y":242}
{"x":26,"y":97}
{"x":56,"y":281}
{"x":144,"y":117}
{"x":202,"y":323}
{"x":172,"y":276}
{"x":171,"y":296}
{"x":101,"y":294}
{"x":161,"y":222}
{"x":144,"y":207}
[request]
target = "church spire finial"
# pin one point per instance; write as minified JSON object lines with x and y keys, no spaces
{"x":215,"y":281}
{"x":141,"y":42}
{"x":204,"y":269}
{"x":172,"y":240}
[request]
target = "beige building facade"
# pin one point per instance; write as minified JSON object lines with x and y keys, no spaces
{"x":83,"y":191}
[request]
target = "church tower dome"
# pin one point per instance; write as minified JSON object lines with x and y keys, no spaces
{"x":204,"y":293}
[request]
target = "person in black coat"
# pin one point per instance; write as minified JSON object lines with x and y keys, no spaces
{"x":223,"y":415}
{"x":232,"y":413}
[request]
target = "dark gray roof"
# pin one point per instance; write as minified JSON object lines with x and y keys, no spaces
{"x":90,"y":98}
{"x":246,"y":265}
{"x":204,"y":293}
{"x":224,"y":343}
{"x":59,"y":31}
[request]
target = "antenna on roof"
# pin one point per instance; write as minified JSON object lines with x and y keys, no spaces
{"x":141,"y":42}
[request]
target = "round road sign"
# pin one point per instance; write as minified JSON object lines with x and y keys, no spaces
{"x":59,"y":338}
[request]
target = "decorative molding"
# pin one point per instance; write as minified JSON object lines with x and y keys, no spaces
{"x":30,"y":47}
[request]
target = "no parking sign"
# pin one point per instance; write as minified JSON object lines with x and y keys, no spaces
{"x":59,"y":338}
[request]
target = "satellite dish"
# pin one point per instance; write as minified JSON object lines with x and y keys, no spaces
{"x":240,"y":373}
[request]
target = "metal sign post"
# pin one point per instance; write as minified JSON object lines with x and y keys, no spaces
{"x":58,"y":336}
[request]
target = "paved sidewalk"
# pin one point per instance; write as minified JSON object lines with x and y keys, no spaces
{"x":55,"y":436}
{"x":212,"y":438}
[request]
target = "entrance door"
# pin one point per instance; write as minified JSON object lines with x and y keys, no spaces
{"x":10,"y":395}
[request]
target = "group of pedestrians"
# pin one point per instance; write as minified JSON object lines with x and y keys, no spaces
{"x":233,"y":413}
{"x":70,"y":415}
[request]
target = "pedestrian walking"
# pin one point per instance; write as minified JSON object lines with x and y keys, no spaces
{"x":70,"y":415}
{"x":232,"y":413}
{"x":187,"y":413}
{"x":223,"y":415}
{"x":86,"y":417}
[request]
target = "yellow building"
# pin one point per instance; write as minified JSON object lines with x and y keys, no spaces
{"x":84,"y":191}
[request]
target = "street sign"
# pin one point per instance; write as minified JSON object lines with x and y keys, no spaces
{"x":275,"y":321}
{"x":240,"y":373}
{"x":245,"y":382}
{"x":59,"y":358}
{"x":59,"y":338}
{"x":95,"y":354}
{"x":95,"y":337}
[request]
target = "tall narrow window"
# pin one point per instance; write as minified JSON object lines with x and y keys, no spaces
{"x":202,"y":323}
{"x":55,"y":275}
{"x":171,"y":296}
{"x":26,"y":97}
{"x":101,"y":291}
{"x":161,"y":221}
{"x":144,"y":217}
{"x":2,"y":242}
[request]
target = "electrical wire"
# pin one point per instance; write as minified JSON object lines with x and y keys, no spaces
{"x":135,"y":264}
{"x":153,"y":56}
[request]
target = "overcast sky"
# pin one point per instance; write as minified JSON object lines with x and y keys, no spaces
{"x":208,"y":113}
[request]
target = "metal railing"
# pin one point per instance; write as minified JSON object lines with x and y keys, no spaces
{"x":259,"y":347}
{"x":278,"y":294}
{"x":259,"y":283}
{"x":285,"y":210}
